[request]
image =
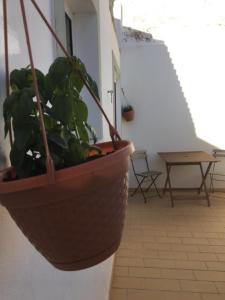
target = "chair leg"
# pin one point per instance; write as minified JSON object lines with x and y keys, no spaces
{"x":138,"y":187}
{"x":157,"y":191}
{"x":153,"y":183}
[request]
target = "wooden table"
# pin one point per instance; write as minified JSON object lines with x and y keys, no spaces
{"x":187,"y":158}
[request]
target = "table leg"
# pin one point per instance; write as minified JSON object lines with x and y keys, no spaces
{"x":166,"y":182}
{"x":203,"y":184}
{"x":168,"y":168}
{"x":205,"y":176}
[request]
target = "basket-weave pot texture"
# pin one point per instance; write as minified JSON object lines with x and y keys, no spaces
{"x":77,"y":222}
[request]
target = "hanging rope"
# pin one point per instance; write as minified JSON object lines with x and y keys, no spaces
{"x":7,"y":83}
{"x":113,"y":131}
{"x":49,"y":162}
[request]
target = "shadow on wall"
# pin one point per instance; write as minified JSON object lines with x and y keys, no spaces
{"x":163,"y":121}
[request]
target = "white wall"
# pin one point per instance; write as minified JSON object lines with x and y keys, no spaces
{"x":42,"y":48}
{"x":24,"y":273}
{"x":108,"y":47}
{"x":172,"y":96}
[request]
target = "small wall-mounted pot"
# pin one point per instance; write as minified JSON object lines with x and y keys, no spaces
{"x":128,"y":113}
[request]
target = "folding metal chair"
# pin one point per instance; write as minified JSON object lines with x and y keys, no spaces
{"x":147,"y":175}
{"x":216,"y":174}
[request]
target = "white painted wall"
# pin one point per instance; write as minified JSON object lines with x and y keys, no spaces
{"x":24,"y":273}
{"x":85,"y":43}
{"x":42,"y":47}
{"x":170,"y":86}
{"x":108,"y":46}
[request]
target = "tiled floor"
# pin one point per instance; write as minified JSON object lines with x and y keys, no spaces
{"x":172,"y":253}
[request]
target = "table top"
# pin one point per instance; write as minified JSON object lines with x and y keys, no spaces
{"x":187,"y":157}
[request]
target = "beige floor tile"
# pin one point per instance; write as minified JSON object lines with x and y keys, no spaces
{"x":168,"y":240}
{"x":179,"y":234}
{"x":171,"y":254}
{"x":162,"y":284}
{"x":129,"y":262}
{"x":177,"y":274}
{"x":217,"y":242}
{"x":190,"y":265}
{"x":220,"y":286}
{"x":137,"y":253}
{"x":195,"y":241}
{"x":210,"y":275}
{"x":217,"y":266}
{"x":130,"y":245}
{"x":146,"y":295}
{"x":159,"y":263}
{"x":156,"y":246}
{"x":208,"y":235}
{"x":120,"y":271}
{"x":198,"y":286}
{"x":144,"y":272}
{"x":221,"y":256}
{"x":211,"y":249}
{"x":213,"y":297}
{"x":118,"y":294}
{"x":202,"y":256}
{"x":128,"y":283}
{"x":185,"y":248}
{"x":182,"y":296}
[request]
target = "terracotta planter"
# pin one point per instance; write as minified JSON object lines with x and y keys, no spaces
{"x":77,"y":222}
{"x":128,"y":115}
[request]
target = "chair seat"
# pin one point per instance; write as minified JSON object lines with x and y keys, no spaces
{"x":149,"y":173}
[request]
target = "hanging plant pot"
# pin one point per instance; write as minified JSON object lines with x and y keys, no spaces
{"x":76,"y":222}
{"x":128,"y":112}
{"x":74,"y":214}
{"x":128,"y":115}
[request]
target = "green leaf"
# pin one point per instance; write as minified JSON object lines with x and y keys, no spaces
{"x":76,"y":81}
{"x":18,"y":78}
{"x":62,"y":109}
{"x":59,"y":71}
{"x":24,"y":106}
{"x":22,"y":136}
{"x":40,"y":78}
{"x":17,"y":157}
{"x":82,"y":132}
{"x":92,"y":132}
{"x":80,"y":110}
{"x":23,"y":78}
{"x":65,"y":116}
{"x":28,"y":167}
{"x":79,"y":65}
{"x":93,"y":85}
{"x":50,"y":123}
{"x":10,"y":102}
{"x":49,"y":89}
{"x":8,"y":108}
{"x":56,"y":159}
{"x":76,"y":153}
{"x":57,"y":139}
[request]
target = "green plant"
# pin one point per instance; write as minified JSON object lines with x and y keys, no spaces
{"x":127,"y":108}
{"x":65,"y":117}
